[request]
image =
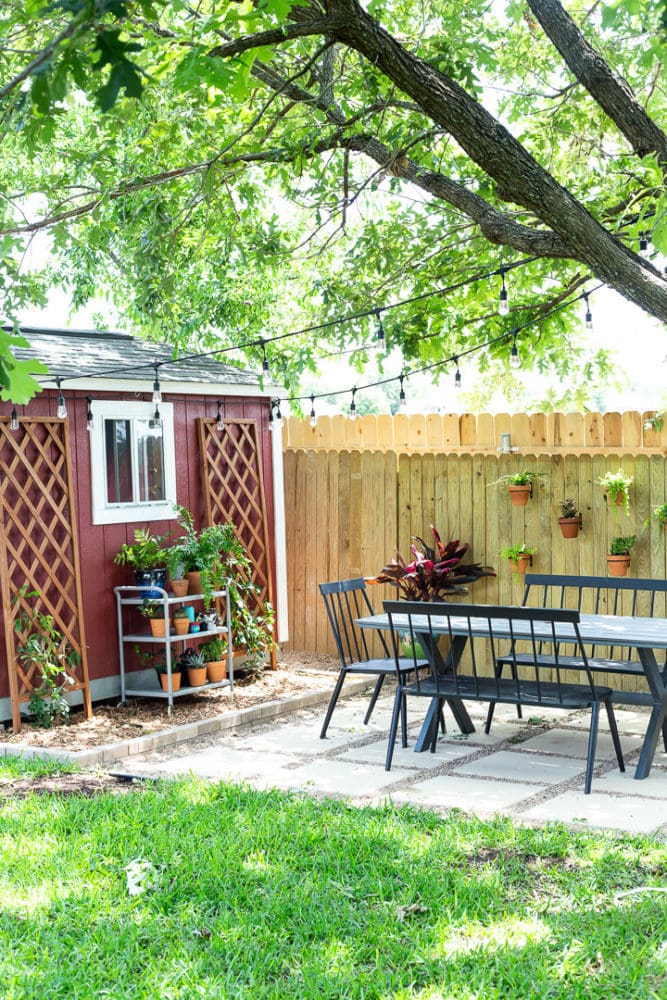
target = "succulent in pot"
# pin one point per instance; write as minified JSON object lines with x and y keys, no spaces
{"x":570,"y":518}
{"x":618,"y":559}
{"x":192,"y":660}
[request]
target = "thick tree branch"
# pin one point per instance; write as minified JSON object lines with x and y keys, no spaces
{"x":611,"y":92}
{"x":302,"y":29}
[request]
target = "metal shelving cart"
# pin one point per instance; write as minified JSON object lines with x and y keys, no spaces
{"x":134,"y":596}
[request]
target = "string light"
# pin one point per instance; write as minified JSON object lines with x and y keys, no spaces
{"x":515,"y":360}
{"x":219,"y":423}
{"x":275,"y":416}
{"x":380,"y":338}
{"x":402,"y":403}
{"x":14,"y":422}
{"x":62,"y":409}
{"x":643,"y":245}
{"x":588,"y":318}
{"x":265,"y":360}
{"x":90,"y":423}
{"x":155,"y":423}
{"x":313,"y":415}
{"x":353,"y":406}
{"x":503,"y":298}
{"x":457,"y":376}
{"x":157,"y":392}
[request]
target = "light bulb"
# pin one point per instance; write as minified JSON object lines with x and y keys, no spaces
{"x":588,"y":318}
{"x":643,"y":246}
{"x":353,"y":407}
{"x":219,"y":424}
{"x":157,"y":394}
{"x":402,"y":402}
{"x":265,"y":361}
{"x":313,"y":415}
{"x":14,"y":423}
{"x":457,"y":379}
{"x":380,"y":338}
{"x":275,"y":417}
{"x":61,"y":412}
{"x":515,"y":360}
{"x":90,"y":423}
{"x":503,"y":298}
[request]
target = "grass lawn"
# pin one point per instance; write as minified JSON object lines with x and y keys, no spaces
{"x":268,"y":895}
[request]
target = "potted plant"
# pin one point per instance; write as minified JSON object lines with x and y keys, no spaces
{"x":175,"y":563}
{"x":570,"y":518}
{"x":618,"y":559}
{"x":252,"y":632}
{"x":617,"y":489}
{"x":214,"y":652}
{"x":154,"y":612}
{"x":181,"y":620}
{"x":192,"y":660}
{"x":519,"y":557}
{"x":210,"y":556}
{"x":163,"y":676}
{"x":434,"y":573}
{"x":147,"y":558}
{"x":43,"y":651}
{"x":660,"y":515}
{"x":519,"y":486}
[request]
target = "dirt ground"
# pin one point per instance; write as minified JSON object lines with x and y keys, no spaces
{"x":111,"y":723}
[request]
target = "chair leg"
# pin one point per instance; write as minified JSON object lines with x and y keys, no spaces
{"x":592,"y":743}
{"x":374,"y":697}
{"x":404,"y":723}
{"x":398,"y":709}
{"x":443,"y":727}
{"x":489,"y":717}
{"x":332,"y":703}
{"x":613,"y":729}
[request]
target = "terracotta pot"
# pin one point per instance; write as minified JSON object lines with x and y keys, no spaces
{"x":618,"y":565}
{"x":216,"y":670}
{"x":182,"y":626}
{"x":194,"y":580}
{"x":520,"y":565}
{"x":196,"y":676}
{"x":619,"y":501}
{"x":175,"y":682}
{"x":180,"y":587}
{"x":569,"y":526}
{"x":519,"y":495}
{"x":157,"y":627}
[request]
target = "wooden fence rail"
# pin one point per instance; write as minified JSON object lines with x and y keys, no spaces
{"x":477,"y":432}
{"x":348,"y":511}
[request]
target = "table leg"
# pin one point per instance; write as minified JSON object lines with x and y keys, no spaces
{"x":656,"y":723}
{"x":459,"y":711}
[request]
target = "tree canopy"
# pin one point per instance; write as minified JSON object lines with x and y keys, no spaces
{"x":227,"y":173}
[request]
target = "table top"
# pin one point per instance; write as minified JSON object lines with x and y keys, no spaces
{"x":612,"y":630}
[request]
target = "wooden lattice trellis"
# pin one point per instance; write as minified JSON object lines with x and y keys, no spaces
{"x":234,"y":491}
{"x":38,"y":546}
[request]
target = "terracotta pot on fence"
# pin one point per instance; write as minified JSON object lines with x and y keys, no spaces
{"x":520,"y":565}
{"x":175,"y":682}
{"x":216,"y":670}
{"x":180,"y":587}
{"x":618,"y":565}
{"x":519,"y":495}
{"x":570,"y":526}
{"x":157,"y":627}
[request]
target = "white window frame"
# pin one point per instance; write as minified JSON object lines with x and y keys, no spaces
{"x":123,"y":513}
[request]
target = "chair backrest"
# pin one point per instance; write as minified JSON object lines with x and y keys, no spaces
{"x":478,"y":629}
{"x":346,"y":600}
{"x":599,"y":595}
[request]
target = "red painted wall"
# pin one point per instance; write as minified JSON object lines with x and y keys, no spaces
{"x":99,"y":543}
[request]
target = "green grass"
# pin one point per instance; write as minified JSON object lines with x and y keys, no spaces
{"x":23,"y":767}
{"x":267,"y":895}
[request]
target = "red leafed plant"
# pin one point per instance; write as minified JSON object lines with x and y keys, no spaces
{"x":434,"y":572}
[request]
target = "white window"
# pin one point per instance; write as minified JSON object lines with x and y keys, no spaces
{"x":133,"y":462}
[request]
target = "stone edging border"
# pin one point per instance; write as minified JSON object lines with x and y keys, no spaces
{"x":110,"y":752}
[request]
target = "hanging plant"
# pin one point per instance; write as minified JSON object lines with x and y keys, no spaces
{"x":519,"y":485}
{"x":519,"y":558}
{"x":659,"y":515}
{"x":617,"y":488}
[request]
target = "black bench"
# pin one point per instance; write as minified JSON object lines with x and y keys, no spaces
{"x":599,"y":595}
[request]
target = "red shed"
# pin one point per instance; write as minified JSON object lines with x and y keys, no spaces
{"x":76,"y":483}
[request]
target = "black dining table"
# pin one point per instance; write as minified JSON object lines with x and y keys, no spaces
{"x":644,"y":635}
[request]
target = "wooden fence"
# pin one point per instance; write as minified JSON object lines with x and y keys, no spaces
{"x":536,"y":432}
{"x":348,"y":511}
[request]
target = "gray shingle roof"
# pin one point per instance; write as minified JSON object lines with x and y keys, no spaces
{"x":73,"y":354}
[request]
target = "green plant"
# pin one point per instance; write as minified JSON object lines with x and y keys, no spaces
{"x":523,"y":478}
{"x":617,"y":485}
{"x":512,"y":552}
{"x":655,"y":423}
{"x":215,"y":553}
{"x":151,"y":609}
{"x":180,"y":613}
{"x":190,"y":659}
{"x":568,"y":508}
{"x":175,"y":561}
{"x":621,"y":545}
{"x":434,"y":572}
{"x":42,"y":645}
{"x":213,"y":649}
{"x":146,"y":553}
{"x":160,"y":659}
{"x":659,"y":514}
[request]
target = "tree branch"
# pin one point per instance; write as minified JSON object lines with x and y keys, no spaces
{"x":611,"y":92}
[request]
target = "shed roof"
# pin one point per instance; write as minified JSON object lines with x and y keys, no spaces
{"x":96,"y":354}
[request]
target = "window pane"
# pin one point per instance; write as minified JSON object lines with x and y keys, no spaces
{"x":118,"y":461}
{"x":150,"y":455}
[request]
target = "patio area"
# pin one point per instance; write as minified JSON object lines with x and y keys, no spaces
{"x":530,"y":769}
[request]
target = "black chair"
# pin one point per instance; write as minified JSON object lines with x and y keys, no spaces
{"x":345,"y":601}
{"x":467,"y":670}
